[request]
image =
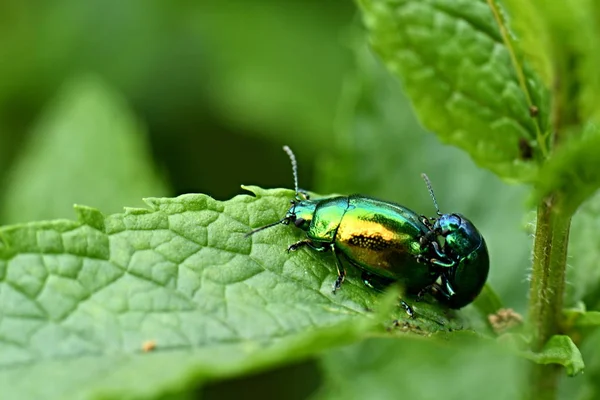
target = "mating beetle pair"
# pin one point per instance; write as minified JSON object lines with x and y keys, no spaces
{"x":445,"y":255}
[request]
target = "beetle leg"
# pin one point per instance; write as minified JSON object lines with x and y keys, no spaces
{"x":297,"y":245}
{"x":408,"y":309}
{"x":442,"y":291}
{"x":426,"y":221}
{"x":340,"y":269}
{"x":436,"y":248}
{"x":366,"y":278}
{"x":422,"y":292}
{"x":430,"y":239}
{"x":442,"y":263}
{"x":443,"y":260}
{"x":309,"y":243}
{"x":374,"y":282}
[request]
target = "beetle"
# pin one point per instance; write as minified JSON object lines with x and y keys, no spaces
{"x":463,"y":251}
{"x":388,"y":242}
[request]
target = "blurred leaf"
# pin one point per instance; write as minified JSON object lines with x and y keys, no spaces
{"x":276,"y":68}
{"x":584,"y":252}
{"x":413,"y":368}
{"x":123,"y":42}
{"x":565,"y":36}
{"x":488,"y":301}
{"x":560,"y":349}
{"x":588,"y":319}
{"x":581,"y":318}
{"x":467,"y":83}
{"x":534,"y":39}
{"x":4,"y":145}
{"x":380,"y":150}
{"x":586,"y":386}
{"x":516,"y":342}
{"x":87,"y":148}
{"x":588,"y":37}
{"x":573,"y":170}
{"x":160,"y":299}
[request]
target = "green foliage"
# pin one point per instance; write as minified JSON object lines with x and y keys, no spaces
{"x":88,"y":148}
{"x":584,"y":250}
{"x":473,"y":91}
{"x":385,"y":368}
{"x":560,"y":349}
{"x":573,"y":170}
{"x":157,"y":302}
{"x":83,"y":297}
{"x":517,"y":88}
{"x":558,"y":40}
{"x":275,"y":60}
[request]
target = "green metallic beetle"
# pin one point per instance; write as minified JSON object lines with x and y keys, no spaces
{"x":391,"y":243}
{"x":468,"y":260}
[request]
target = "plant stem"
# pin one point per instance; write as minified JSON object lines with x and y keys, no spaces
{"x":546,"y":292}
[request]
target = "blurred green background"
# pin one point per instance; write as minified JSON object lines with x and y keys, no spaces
{"x":105,"y":102}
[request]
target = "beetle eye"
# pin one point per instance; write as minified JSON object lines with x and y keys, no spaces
{"x":298,"y":222}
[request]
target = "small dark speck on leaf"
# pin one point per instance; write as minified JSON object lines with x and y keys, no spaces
{"x":533,"y":111}
{"x":525,"y":149}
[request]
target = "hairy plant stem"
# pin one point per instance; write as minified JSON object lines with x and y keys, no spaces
{"x":546,"y":292}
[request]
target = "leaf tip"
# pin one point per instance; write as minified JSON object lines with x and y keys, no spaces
{"x":255,"y":190}
{"x":561,"y":350}
{"x":152,"y":202}
{"x":90,"y":216}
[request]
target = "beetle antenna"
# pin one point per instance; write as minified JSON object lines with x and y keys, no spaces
{"x":292,"y":157}
{"x":252,"y":232}
{"x":428,"y":183}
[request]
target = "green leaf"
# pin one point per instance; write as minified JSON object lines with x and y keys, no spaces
{"x":259,"y":86}
{"x":159,"y":300}
{"x":87,"y":148}
{"x":561,"y":350}
{"x":575,"y":318}
{"x":414,"y":368}
{"x":587,"y":385}
{"x":584,"y":252}
{"x":5,"y":149}
{"x":588,"y":319}
{"x":562,"y":35}
{"x":588,"y":14}
{"x":529,"y":24}
{"x":466,"y":81}
{"x":572,"y":171}
{"x":488,"y":301}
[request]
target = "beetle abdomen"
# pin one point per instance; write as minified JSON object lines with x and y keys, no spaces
{"x":383,"y":238}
